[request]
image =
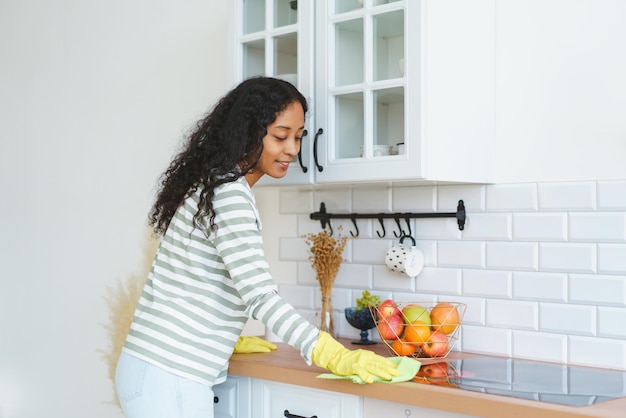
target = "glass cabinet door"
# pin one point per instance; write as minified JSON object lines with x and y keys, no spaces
{"x":348,"y":59}
{"x":270,"y":39}
{"x":271,"y":35}
{"x":365,"y":81}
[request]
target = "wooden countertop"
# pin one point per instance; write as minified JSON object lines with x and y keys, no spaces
{"x":285,"y":365}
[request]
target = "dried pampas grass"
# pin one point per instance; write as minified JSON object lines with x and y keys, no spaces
{"x":325,"y":254}
{"x":121,"y":300}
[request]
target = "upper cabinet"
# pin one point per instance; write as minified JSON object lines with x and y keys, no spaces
{"x":561,"y":90}
{"x":398,"y":90}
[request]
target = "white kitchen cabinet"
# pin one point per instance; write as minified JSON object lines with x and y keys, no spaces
{"x":561,"y":90}
{"x":273,"y":400}
{"x":378,"y":73}
{"x":375,"y":408}
{"x":232,"y":397}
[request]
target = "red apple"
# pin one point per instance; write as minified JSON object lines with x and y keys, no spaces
{"x":437,"y":345}
{"x":390,"y":327}
{"x":388,"y":308}
{"x":434,"y":371}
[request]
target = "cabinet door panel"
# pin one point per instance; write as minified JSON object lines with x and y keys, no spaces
{"x":232,"y":398}
{"x":271,"y":400}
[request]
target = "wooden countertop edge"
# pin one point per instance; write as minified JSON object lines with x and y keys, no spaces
{"x":286,"y":366}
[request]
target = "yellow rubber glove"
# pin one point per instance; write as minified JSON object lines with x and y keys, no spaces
{"x":331,"y":355}
{"x":253,"y":345}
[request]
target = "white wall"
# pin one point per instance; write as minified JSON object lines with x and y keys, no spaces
{"x":93,"y":98}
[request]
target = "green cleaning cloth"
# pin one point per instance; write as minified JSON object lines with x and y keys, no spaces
{"x":407,"y":366}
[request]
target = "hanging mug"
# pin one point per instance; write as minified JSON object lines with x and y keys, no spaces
{"x":404,"y":259}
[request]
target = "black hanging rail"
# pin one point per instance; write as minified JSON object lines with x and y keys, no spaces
{"x":325,"y":217}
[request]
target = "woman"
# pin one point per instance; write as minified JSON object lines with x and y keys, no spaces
{"x":210,"y":274}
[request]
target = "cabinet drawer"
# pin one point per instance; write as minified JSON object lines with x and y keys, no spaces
{"x":375,"y":408}
{"x":279,"y":400}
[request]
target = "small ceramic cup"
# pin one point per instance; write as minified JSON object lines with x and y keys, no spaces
{"x":404,"y":259}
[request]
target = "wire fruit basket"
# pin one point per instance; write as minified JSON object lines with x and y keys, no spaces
{"x":419,"y":329}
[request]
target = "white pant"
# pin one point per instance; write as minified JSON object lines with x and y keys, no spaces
{"x":147,"y":391}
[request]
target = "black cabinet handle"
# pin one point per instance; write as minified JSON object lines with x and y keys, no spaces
{"x":216,"y":399}
{"x":304,"y":169}
{"x":288,"y":415}
{"x":317,"y":134}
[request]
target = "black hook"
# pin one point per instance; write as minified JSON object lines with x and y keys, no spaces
{"x":355,"y":227}
{"x":382,"y":225}
{"x":401,"y":234}
{"x":407,"y":236}
{"x":330,"y":234}
{"x":408,"y":225}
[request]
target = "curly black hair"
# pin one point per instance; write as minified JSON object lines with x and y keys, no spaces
{"x":226,"y":144}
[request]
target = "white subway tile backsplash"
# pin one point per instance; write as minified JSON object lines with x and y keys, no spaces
{"x":566,"y":257}
{"x":487,"y":283}
{"x":612,"y":322}
{"x":306,"y":274}
{"x":496,"y":341}
{"x":295,"y":201}
{"x":540,"y":346}
{"x":371,"y":199}
{"x":612,"y":258}
{"x":597,"y":289}
{"x":414,"y":199}
{"x":612,"y":195}
{"x":488,"y":226}
{"x":511,"y":314}
{"x":335,"y":200}
{"x":473,"y":197}
{"x":540,"y":286}
{"x":541,"y":267}
{"x":470,"y":254}
{"x":474,"y":309}
{"x":540,"y":227}
{"x":391,"y":280}
{"x":512,"y":197}
{"x":370,"y":251}
{"x":594,"y":227}
{"x":574,"y":196}
{"x":567,"y":319}
{"x":429,"y":249}
{"x":512,"y":255}
{"x":354,"y":276}
{"x":439,"y":281}
{"x":598,"y":352}
{"x":437,"y":228}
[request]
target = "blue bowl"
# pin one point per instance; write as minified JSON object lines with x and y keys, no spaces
{"x":361,"y":319}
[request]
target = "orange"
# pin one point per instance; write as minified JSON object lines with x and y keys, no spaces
{"x":417,"y":332}
{"x":444,"y":317}
{"x":403,"y":348}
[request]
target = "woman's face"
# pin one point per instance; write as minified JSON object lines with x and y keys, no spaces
{"x":280,"y":145}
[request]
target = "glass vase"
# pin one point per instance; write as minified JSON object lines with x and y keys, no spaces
{"x":326,"y":316}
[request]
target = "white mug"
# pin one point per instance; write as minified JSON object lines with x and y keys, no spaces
{"x":404,"y":259}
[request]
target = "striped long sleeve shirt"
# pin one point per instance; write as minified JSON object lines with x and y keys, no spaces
{"x":200,"y":292}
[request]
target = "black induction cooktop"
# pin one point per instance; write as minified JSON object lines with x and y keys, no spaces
{"x":526,"y":379}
